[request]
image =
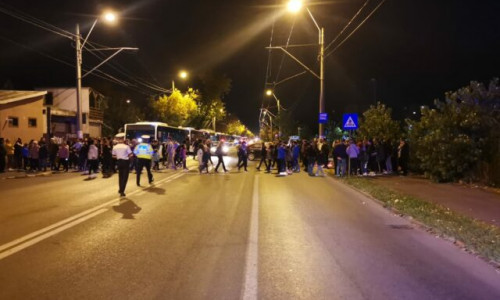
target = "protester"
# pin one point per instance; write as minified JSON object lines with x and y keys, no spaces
{"x":3,"y":155}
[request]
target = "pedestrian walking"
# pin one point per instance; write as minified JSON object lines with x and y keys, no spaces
{"x":242,"y":156}
{"x":263,"y":155}
{"x":219,"y":154}
{"x":144,"y":154}
{"x":93,"y":159}
{"x":122,"y":153}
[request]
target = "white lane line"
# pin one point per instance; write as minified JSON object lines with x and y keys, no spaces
{"x":250,"y":287}
{"x":77,"y":216}
{"x":49,"y":234}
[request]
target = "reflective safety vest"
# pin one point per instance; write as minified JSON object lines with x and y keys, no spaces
{"x":143,"y":150}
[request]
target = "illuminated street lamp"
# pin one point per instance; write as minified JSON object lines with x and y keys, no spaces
{"x":271,"y":93}
{"x":110,"y":18}
{"x":295,"y":6}
{"x":182,"y":75}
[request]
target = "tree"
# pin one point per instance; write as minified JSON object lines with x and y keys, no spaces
{"x":175,"y":109}
{"x":117,"y":112}
{"x":378,"y":123}
{"x":211,"y":105}
{"x":460,"y":136}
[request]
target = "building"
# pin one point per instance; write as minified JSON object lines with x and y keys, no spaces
{"x":61,"y":104}
{"x":22,"y":115}
{"x":49,"y":112}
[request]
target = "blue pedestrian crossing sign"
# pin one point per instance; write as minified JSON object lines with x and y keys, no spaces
{"x":350,"y":121}
{"x":323,"y":118}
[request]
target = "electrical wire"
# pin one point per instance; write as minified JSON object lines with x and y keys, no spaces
{"x":36,"y":22}
{"x":348,"y":24}
{"x":355,"y":29}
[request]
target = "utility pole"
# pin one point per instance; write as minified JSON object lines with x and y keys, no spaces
{"x":79,"y":131}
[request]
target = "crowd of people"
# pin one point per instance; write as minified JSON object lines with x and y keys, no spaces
{"x":363,"y":157}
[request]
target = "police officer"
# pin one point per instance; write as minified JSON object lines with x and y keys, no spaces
{"x":144,"y":154}
{"x":121,"y":153}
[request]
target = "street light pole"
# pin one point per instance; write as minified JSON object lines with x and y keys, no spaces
{"x":295,"y":6}
{"x":271,"y":93}
{"x":79,"y":131}
{"x":321,"y":79}
{"x":110,"y":18}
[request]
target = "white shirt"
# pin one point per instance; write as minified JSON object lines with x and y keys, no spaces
{"x":93,"y":152}
{"x":121,"y":151}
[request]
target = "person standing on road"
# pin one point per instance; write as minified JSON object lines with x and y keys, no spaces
{"x":144,"y":154}
{"x":122,"y":153}
{"x":311,"y":155}
{"x":18,"y":153}
{"x":34,"y":156}
{"x":93,"y":159}
{"x":10,"y":154}
{"x":63,"y":155}
{"x":3,"y":156}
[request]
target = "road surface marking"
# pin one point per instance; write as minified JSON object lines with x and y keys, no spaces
{"x":61,"y":224}
{"x":49,"y":234}
{"x":250,"y":287}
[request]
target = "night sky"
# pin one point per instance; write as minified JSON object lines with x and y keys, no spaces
{"x":407,"y":54}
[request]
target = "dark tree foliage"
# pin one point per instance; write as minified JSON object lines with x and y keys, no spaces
{"x":459,"y":139}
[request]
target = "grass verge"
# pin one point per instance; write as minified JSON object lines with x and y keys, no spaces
{"x":476,"y":236}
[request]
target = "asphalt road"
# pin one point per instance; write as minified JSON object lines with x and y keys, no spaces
{"x":220,"y":236}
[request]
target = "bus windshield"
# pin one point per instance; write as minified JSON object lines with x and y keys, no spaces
{"x":135,"y":131}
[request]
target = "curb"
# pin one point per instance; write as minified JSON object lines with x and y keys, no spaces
{"x":25,"y":175}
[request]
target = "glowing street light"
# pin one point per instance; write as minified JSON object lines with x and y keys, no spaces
{"x":269,"y":93}
{"x":294,"y":6}
{"x":182,"y":75}
{"x":108,"y":17}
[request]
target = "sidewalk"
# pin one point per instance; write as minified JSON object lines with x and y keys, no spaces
{"x":477,"y":202}
{"x":14,"y":174}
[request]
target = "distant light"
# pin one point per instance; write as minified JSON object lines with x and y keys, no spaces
{"x":414,"y":112}
{"x":183,"y":74}
{"x":294,"y":6}
{"x":128,"y":101}
{"x":269,"y":92}
{"x":110,"y":17}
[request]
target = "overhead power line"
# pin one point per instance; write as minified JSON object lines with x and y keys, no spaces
{"x":356,"y":29}
{"x":347,"y":25}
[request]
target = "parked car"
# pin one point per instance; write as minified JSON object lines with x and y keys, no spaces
{"x":254,"y":151}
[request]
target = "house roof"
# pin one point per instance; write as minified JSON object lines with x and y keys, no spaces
{"x":8,"y":96}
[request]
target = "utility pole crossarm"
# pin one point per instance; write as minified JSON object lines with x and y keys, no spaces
{"x":107,"y":59}
{"x":297,"y":60}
